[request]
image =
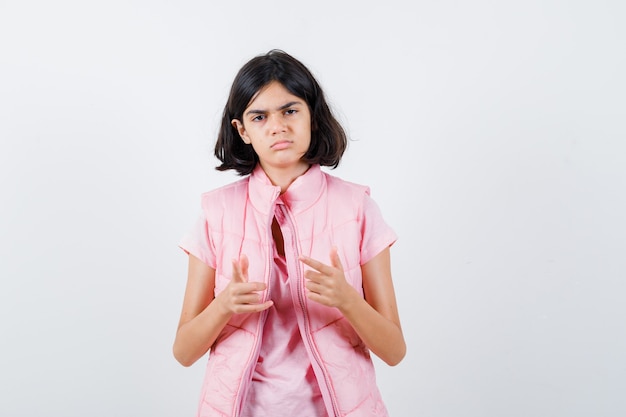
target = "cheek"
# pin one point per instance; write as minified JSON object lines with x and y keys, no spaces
{"x":306,"y":135}
{"x":306,"y":143}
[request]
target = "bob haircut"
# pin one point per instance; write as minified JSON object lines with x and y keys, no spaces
{"x":328,"y":139}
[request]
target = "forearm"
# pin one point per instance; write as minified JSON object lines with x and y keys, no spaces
{"x":195,"y":337}
{"x":381,"y":335}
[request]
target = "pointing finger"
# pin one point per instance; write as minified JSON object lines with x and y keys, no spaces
{"x":317,"y":265}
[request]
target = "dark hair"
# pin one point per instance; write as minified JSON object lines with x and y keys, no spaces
{"x":328,"y":139}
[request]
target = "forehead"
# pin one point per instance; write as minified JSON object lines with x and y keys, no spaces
{"x":273,"y":95}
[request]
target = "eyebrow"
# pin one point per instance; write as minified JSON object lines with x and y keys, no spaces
{"x":283,"y":107}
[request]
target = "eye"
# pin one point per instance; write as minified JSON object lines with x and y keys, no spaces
{"x":258,"y":118}
{"x":291,"y":111}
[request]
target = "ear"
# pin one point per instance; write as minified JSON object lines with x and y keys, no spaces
{"x":241,"y":130}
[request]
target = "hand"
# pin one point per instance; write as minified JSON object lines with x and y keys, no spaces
{"x":326,"y":284}
{"x":241,"y":296}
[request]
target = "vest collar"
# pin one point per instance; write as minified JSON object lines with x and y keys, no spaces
{"x":301,"y":194}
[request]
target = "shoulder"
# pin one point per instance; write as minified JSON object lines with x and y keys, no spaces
{"x":346,"y":189}
{"x":225,"y":195}
{"x":351,"y":198}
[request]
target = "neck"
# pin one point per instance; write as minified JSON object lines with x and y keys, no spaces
{"x":283,"y":177}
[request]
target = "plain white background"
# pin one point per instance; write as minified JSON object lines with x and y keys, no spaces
{"x":491,"y":133}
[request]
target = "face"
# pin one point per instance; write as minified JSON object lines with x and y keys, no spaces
{"x":278,"y":126}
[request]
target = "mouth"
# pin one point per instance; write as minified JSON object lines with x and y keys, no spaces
{"x":281,"y":144}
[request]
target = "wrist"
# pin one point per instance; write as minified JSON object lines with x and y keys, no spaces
{"x":353,"y":298}
{"x":221,"y":309}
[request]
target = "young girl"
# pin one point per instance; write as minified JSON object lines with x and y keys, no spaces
{"x":289,"y":282}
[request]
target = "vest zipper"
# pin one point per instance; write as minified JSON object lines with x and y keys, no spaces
{"x":302,"y":304}
{"x":243,"y":391}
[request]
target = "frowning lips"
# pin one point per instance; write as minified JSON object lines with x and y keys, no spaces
{"x":281,"y":144}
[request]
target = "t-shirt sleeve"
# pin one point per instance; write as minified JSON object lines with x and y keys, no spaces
{"x":376,"y":233}
{"x":197,"y":241}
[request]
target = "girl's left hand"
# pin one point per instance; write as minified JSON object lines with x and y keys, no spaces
{"x":326,"y":284}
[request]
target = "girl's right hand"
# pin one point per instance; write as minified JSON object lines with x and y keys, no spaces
{"x":241,"y":296}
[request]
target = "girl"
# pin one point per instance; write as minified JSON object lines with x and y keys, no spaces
{"x":289,"y":282}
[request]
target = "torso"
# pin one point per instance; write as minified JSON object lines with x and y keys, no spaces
{"x":283,"y":382}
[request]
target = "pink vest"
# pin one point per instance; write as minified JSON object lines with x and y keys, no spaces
{"x":325,"y":211}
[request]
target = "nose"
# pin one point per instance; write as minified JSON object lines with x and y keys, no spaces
{"x":276,"y":124}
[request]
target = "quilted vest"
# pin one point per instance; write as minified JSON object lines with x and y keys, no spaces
{"x":324,"y":211}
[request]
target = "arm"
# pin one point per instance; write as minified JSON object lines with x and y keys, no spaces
{"x":375,"y":318}
{"x":204,"y":316}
